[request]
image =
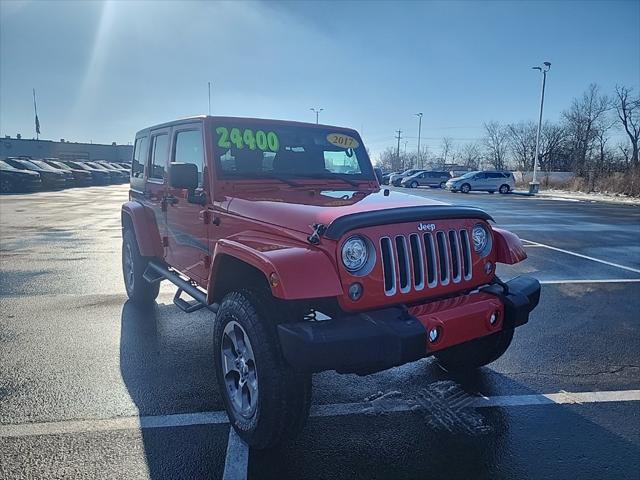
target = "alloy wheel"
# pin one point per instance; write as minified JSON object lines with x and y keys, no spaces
{"x":239,"y":369}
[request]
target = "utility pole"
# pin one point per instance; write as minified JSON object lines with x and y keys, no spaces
{"x":398,"y":151}
{"x":419,"y":115}
{"x":405,"y":148}
{"x":209,"y":85}
{"x":533,"y":186}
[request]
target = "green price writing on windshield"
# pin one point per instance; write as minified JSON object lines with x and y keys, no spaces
{"x":265,"y":141}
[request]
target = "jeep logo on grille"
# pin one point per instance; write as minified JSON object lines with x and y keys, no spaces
{"x":426,"y":226}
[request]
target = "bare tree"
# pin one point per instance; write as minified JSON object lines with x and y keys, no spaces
{"x":496,"y":144}
{"x":580,"y":123}
{"x":628,"y":110}
{"x":470,"y":155}
{"x":522,"y":143}
{"x":447,"y":147}
{"x":552,"y":138}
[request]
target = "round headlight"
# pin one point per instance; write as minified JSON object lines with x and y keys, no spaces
{"x":481,"y":238}
{"x":354,"y":253}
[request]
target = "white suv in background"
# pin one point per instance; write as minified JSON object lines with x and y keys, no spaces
{"x":487,"y":181}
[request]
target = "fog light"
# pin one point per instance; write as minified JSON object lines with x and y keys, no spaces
{"x":355,"y":291}
{"x":434,"y":334}
{"x":488,"y":267}
{"x":493,"y":318}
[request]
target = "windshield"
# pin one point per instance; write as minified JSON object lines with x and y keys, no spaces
{"x":95,"y":165}
{"x":29,"y":165}
{"x":43,"y":165}
{"x":259,"y":150}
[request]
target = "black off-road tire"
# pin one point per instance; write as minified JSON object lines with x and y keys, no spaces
{"x":476,"y":353}
{"x":284,"y":395}
{"x":504,"y":189}
{"x":138,"y":289}
{"x":465,"y":188}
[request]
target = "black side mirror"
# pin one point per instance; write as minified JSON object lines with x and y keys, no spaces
{"x":183,"y":175}
{"x":378,"y":172}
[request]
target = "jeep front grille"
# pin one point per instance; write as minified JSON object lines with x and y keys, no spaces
{"x":427,"y":260}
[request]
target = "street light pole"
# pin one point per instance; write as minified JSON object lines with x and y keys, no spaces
{"x":533,"y":186}
{"x":419,"y":115}
{"x":317,"y":112}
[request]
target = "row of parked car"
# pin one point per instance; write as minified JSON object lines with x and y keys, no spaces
{"x":489,"y":181}
{"x":21,"y":174}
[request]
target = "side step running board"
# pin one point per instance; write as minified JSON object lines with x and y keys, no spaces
{"x":156,"y":272}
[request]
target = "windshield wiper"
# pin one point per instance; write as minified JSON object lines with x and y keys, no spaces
{"x":267,"y":176}
{"x":330,"y":176}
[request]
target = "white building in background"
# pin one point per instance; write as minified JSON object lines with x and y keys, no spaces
{"x":17,"y":147}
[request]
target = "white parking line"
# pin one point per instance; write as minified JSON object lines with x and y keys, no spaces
{"x":601,"y":280}
{"x":569,"y":252}
{"x":237,"y":461}
{"x":331,"y":410}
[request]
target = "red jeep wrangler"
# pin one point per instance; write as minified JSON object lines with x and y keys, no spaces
{"x":282,"y":229}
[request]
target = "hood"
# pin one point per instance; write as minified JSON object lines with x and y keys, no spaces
{"x":51,"y":173}
{"x":299,"y":209}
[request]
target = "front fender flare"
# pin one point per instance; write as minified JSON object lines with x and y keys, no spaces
{"x":302,"y":272}
{"x":145,"y":227}
{"x":508,"y":247}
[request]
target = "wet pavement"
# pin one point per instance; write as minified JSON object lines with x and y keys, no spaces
{"x":73,"y":350}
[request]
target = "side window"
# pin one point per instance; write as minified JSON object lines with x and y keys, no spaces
{"x":159,"y":156}
{"x":139,"y":157}
{"x":188,"y":149}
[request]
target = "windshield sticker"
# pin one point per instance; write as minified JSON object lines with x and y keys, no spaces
{"x":341,"y":140}
{"x":265,"y":141}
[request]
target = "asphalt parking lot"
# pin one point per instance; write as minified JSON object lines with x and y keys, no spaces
{"x":91,"y":387}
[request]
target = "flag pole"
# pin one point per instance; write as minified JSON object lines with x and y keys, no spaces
{"x":35,"y":110}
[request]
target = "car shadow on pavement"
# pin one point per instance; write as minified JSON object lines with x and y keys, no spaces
{"x":166,"y":364}
{"x":441,"y":438}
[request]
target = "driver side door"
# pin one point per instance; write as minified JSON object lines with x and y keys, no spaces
{"x":187,"y":242}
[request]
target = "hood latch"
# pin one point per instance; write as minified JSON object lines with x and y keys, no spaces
{"x":318,"y":231}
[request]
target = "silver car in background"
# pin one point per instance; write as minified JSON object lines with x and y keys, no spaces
{"x":487,"y":181}
{"x":396,"y":178}
{"x":426,"y":179}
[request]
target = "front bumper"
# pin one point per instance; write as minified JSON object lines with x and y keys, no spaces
{"x":373,"y":341}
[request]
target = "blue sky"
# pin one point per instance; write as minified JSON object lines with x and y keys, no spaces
{"x":102,"y":71}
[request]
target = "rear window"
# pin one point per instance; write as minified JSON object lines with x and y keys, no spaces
{"x":139,"y":157}
{"x":159,"y":156}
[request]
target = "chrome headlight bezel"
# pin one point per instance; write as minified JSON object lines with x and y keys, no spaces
{"x":357,"y":255}
{"x":481,"y":239}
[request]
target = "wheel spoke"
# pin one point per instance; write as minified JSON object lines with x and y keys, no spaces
{"x":252,"y":386}
{"x":238,"y":398}
{"x":229,"y":365}
{"x":239,"y":369}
